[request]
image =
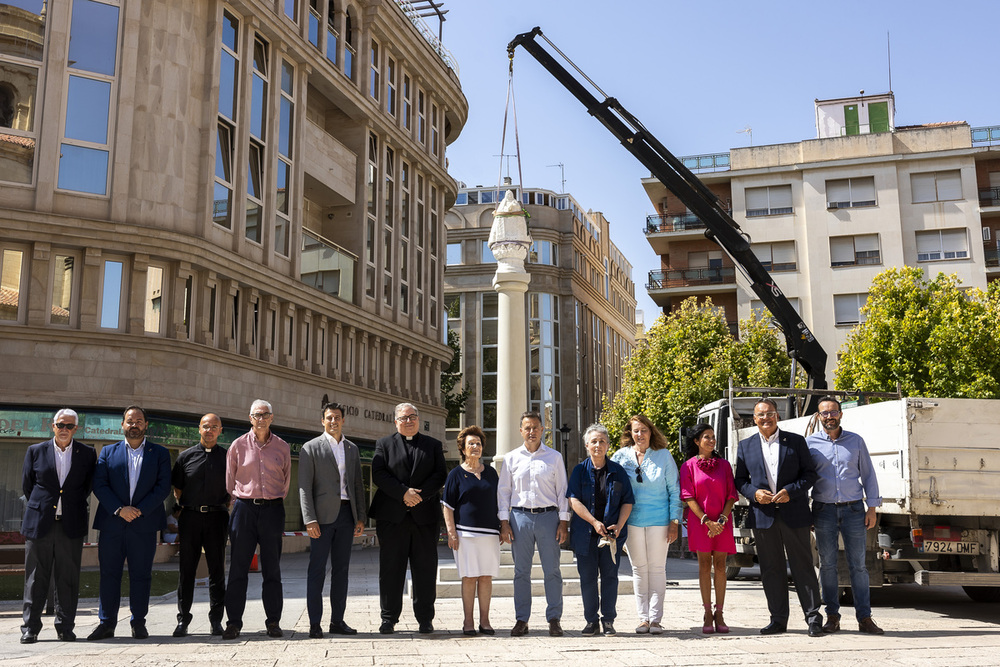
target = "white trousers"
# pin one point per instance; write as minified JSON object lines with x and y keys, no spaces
{"x":647,"y":551}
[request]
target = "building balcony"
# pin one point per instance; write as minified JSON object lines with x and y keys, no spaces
{"x":992,"y":258}
{"x":662,"y":230}
{"x":989,"y":197}
{"x":330,"y":168}
{"x":665,"y":286}
{"x":327,"y":267}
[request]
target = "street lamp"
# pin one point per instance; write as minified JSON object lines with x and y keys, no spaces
{"x":565,"y":431}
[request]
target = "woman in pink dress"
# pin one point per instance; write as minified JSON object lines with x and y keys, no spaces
{"x":708,"y":488}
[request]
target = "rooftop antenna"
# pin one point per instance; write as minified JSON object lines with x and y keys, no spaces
{"x":888,"y":58}
{"x":747,"y":131}
{"x":562,"y":171}
{"x":506,"y":156}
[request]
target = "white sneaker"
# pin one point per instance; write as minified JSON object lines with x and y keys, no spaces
{"x":655,"y":628}
{"x":643,"y":628}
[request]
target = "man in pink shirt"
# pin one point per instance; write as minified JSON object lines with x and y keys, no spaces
{"x":258,"y":473}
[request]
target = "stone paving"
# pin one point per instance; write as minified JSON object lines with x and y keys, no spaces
{"x":923,"y":626}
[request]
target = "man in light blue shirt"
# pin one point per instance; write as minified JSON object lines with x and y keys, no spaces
{"x":846,"y":482}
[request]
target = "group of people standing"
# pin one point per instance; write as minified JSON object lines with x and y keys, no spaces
{"x":635,"y":498}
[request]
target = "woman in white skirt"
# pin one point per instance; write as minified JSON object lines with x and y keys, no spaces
{"x":469,"y":505}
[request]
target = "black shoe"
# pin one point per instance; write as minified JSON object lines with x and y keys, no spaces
{"x":609,"y":628}
{"x":29,"y":637}
{"x":591,"y":629}
{"x":426,"y":628}
{"x":773,"y":628}
{"x":217,"y":630}
{"x":66,"y":636}
{"x":341,"y":628}
{"x":489,"y":632}
{"x":471,"y":632}
{"x":231,"y":632}
{"x":867,"y":626}
{"x":273,"y":630}
{"x":181,"y":630}
{"x":832,"y":623}
{"x":315,"y":631}
{"x":102,"y":631}
{"x":140,"y":632}
{"x":387,"y":628}
{"x":816,"y":629}
{"x":555,"y":630}
{"x":520,"y":629}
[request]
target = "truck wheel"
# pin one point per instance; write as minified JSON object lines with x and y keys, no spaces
{"x":983,"y":593}
{"x":731,"y":573}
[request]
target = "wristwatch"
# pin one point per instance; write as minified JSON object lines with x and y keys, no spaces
{"x":722,"y":520}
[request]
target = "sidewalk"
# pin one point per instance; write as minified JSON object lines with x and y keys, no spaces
{"x":914,"y":635}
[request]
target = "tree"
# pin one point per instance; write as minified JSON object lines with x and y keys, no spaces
{"x":931,"y":336}
{"x":686,"y":362}
{"x":454,"y":399}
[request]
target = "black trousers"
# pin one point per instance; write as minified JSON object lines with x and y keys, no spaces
{"x":772,"y":545}
{"x":57,"y":557}
{"x":399,"y":544}
{"x":197,"y":531}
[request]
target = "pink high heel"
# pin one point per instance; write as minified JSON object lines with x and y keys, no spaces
{"x":720,"y":624}
{"x":708,"y":627}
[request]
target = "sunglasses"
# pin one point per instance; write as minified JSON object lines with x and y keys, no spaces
{"x":638,"y":475}
{"x":65,"y":427}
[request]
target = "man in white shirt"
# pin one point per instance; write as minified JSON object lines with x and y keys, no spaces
{"x":533,"y":509}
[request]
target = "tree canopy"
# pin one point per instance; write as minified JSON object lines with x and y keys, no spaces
{"x":686,"y":362}
{"x":933,"y":337}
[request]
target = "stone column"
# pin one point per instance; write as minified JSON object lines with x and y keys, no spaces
{"x":509,"y":242}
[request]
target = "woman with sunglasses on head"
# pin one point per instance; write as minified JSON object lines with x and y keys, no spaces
{"x":708,"y":488}
{"x":656,"y":515}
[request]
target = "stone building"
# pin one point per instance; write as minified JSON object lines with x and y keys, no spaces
{"x":204,"y":203}
{"x":580,"y":312}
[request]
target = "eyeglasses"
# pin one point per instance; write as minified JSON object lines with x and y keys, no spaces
{"x":829,"y":413}
{"x":407,"y":418}
{"x":766,"y":415}
{"x":210,"y":427}
{"x":638,"y":475}
{"x":261,"y":415}
{"x":65,"y":427}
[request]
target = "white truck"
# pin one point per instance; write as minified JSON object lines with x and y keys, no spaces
{"x":938,"y":468}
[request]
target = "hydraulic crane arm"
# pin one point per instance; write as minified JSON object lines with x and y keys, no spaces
{"x":720,"y":226}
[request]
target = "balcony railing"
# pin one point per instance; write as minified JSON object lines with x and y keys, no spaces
{"x":986,"y":135}
{"x":992,"y":258}
{"x":725,"y":275}
{"x":327,"y":267}
{"x":989,"y":197}
{"x":673,"y":223}
{"x":707,"y":162}
{"x":415,"y":17}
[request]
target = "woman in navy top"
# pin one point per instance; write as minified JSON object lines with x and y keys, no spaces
{"x":469,"y":505}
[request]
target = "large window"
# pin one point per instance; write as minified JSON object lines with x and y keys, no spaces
{"x":63,"y":304}
{"x":283,"y":179}
{"x":12,"y":275}
{"x":544,"y":252}
{"x":229,"y":67}
{"x":112,"y":294}
{"x":543,"y":345}
{"x":847,"y":309}
{"x":21,"y":53}
{"x":770,"y":200}
{"x":857,"y":250}
{"x":488,"y":339}
{"x":850,"y":192}
{"x":259,"y":87}
{"x":777,"y":256}
{"x":936,"y":186}
{"x":454,"y":254}
{"x":942,"y":244}
{"x":154,"y":300}
{"x":375,"y":74}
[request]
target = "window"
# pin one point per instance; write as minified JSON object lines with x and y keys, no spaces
{"x":435,"y":132}
{"x":112,"y":294}
{"x":372,"y":213}
{"x":154,"y":300}
{"x":770,"y":200}
{"x":259,"y":86}
{"x":850,"y":192}
{"x":21,"y":53}
{"x":12,"y":275}
{"x":544,"y":252}
{"x":421,"y":119}
{"x":847,"y":309}
{"x":454,"y":254}
{"x":861,"y":250}
{"x":313,"y":22}
{"x":63,"y":302}
{"x":941,"y":244}
{"x":488,"y":340}
{"x":375,"y":84}
{"x":936,"y":186}
{"x":487,"y":255}
{"x":331,"y":34}
{"x":760,"y":310}
{"x":390,"y":80}
{"x":404,"y":199}
{"x":407,"y":102}
{"x":222,"y":206}
{"x":543,"y":364}
{"x":290,"y":9}
{"x":349,"y":50}
{"x":776,"y":257}
{"x":283,"y":180}
{"x":462,"y":199}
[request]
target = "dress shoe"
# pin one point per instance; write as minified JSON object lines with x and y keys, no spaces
{"x":469,"y":632}
{"x":315,"y":631}
{"x":231,"y":632}
{"x":642,"y":628}
{"x":217,"y":630}
{"x":387,"y":628}
{"x":29,"y":637}
{"x":140,"y":632}
{"x":832,"y":623}
{"x":867,"y":626}
{"x":590,"y":630}
{"x":520,"y":629}
{"x":773,"y":628}
{"x":489,"y":632}
{"x":102,"y":631}
{"x":273,"y":630}
{"x":341,"y":628}
{"x":425,"y":628}
{"x":655,"y":628}
{"x":816,"y":629}
{"x":181,"y":630}
{"x":66,"y":635}
{"x":555,"y":630}
{"x":609,"y":628}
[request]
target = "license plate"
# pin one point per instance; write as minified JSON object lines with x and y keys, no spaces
{"x":949,"y":547}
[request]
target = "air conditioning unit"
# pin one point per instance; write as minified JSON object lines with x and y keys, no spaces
{"x":986,"y":233}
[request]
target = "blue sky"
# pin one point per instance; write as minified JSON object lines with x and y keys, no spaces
{"x":696,"y":73}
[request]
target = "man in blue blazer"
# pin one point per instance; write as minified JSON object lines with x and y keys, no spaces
{"x":57,"y":478}
{"x":774,"y":471}
{"x":131,"y":482}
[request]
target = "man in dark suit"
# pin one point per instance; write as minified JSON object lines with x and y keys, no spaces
{"x":334,"y":508}
{"x":774,"y":471}
{"x":408,"y":470}
{"x":57,"y":479}
{"x":131,"y":482}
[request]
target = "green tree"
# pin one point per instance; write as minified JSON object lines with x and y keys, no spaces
{"x":686,"y":362}
{"x":451,"y":379}
{"x":931,"y":336}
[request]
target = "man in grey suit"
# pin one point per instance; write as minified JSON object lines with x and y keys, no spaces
{"x":332,"y":494}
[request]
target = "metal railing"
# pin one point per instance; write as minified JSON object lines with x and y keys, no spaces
{"x":989,"y":197}
{"x":414,"y":15}
{"x":985,"y":135}
{"x":992,"y":258}
{"x":672,"y":223}
{"x":327,"y":267}
{"x":707,"y":162}
{"x":725,"y":275}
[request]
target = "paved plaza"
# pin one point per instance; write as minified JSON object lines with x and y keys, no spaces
{"x":923,"y":626}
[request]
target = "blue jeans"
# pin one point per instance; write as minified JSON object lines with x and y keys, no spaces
{"x":529,"y":530}
{"x":589,"y":564}
{"x":847,"y":521}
